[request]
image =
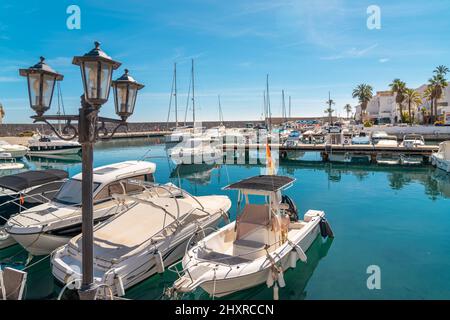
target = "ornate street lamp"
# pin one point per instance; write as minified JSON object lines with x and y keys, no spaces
{"x":125,"y":92}
{"x":96,"y":72}
{"x":41,"y":83}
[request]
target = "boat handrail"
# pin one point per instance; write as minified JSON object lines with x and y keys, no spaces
{"x":123,"y":197}
{"x":149,"y":185}
{"x":24,"y":197}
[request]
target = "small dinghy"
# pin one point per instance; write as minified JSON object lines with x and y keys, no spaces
{"x":143,"y":240}
{"x":264,"y":241}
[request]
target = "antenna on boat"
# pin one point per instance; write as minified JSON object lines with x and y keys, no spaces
{"x":269,"y":113}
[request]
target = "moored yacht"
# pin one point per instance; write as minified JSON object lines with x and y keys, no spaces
{"x":14,"y":150}
{"x":196,"y":150}
{"x":441,"y":159}
{"x":264,"y":241}
{"x":40,"y":145}
{"x":143,"y":240}
{"x":412,"y":141}
{"x":45,"y":227}
{"x":25,"y":190}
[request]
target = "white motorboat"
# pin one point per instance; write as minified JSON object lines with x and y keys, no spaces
{"x":378,"y":135}
{"x":412,"y":141}
{"x":441,"y":159}
{"x":40,"y":145}
{"x":43,"y":228}
{"x":141,"y":241}
{"x":15,"y":150}
{"x":387,"y":141}
{"x":264,"y":241}
{"x":25,"y":190}
{"x":362,"y":138}
{"x":196,"y":150}
{"x":179,"y":134}
{"x":8,"y":162}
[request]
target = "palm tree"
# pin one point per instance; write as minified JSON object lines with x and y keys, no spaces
{"x":348,"y":109}
{"x":412,"y":98}
{"x":330,"y":102}
{"x":428,"y":95}
{"x":398,"y":87}
{"x":441,"y":70}
{"x":364,"y":93}
{"x":438,"y":83}
{"x":330,"y":111}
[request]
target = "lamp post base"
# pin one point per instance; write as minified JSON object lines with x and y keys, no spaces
{"x":88,"y":292}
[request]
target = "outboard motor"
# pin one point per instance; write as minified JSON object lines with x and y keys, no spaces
{"x":292,"y":211}
{"x":325,"y":229}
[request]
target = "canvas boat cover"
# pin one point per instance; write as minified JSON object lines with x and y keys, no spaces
{"x":24,"y":180}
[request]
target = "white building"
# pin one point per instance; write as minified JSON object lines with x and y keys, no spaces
{"x":382,"y":108}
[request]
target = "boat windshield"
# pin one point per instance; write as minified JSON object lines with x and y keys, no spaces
{"x":70,"y":192}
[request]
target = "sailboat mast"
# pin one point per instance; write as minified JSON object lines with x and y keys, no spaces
{"x":283,"y":106}
{"x":175,"y":93}
{"x":289,"y":107}
{"x":269,"y":113}
{"x":220,"y":111}
{"x":193,"y":94}
{"x":264,"y":107}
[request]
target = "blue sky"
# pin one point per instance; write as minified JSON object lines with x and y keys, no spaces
{"x":308,"y":47}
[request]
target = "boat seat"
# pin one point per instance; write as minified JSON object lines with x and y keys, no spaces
{"x":249,"y":244}
{"x":218,"y":257}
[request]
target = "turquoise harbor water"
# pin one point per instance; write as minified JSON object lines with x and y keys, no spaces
{"x":394,"y":217}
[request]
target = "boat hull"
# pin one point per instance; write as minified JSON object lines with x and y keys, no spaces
{"x":48,"y":151}
{"x":441,"y":163}
{"x":132,"y":271}
{"x":232,"y":285}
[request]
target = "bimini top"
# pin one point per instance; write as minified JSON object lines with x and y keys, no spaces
{"x":262,"y":183}
{"x":120,"y":170}
{"x":32,"y":178}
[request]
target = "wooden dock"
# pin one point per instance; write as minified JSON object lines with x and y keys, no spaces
{"x":329,"y":148}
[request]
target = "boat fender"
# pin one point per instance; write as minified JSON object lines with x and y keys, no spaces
{"x":280,"y":279}
{"x":275,"y":292}
{"x":292,"y":259}
{"x":270,"y":280}
{"x":325,"y":228}
{"x":159,"y":261}
{"x":283,"y":155}
{"x":118,"y":283}
{"x":301,"y":254}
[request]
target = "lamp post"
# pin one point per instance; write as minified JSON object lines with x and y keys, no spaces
{"x":96,"y":72}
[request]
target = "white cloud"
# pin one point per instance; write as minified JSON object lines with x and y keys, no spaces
{"x":351,"y":53}
{"x":383,"y":60}
{"x":9,"y":79}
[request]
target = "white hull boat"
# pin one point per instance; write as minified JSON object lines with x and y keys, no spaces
{"x":16,"y":151}
{"x":412,"y":141}
{"x":25,"y":190}
{"x":441,"y":159}
{"x":43,"y":228}
{"x":143,"y":240}
{"x":196,"y":151}
{"x":48,"y":145}
{"x":263,"y":243}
